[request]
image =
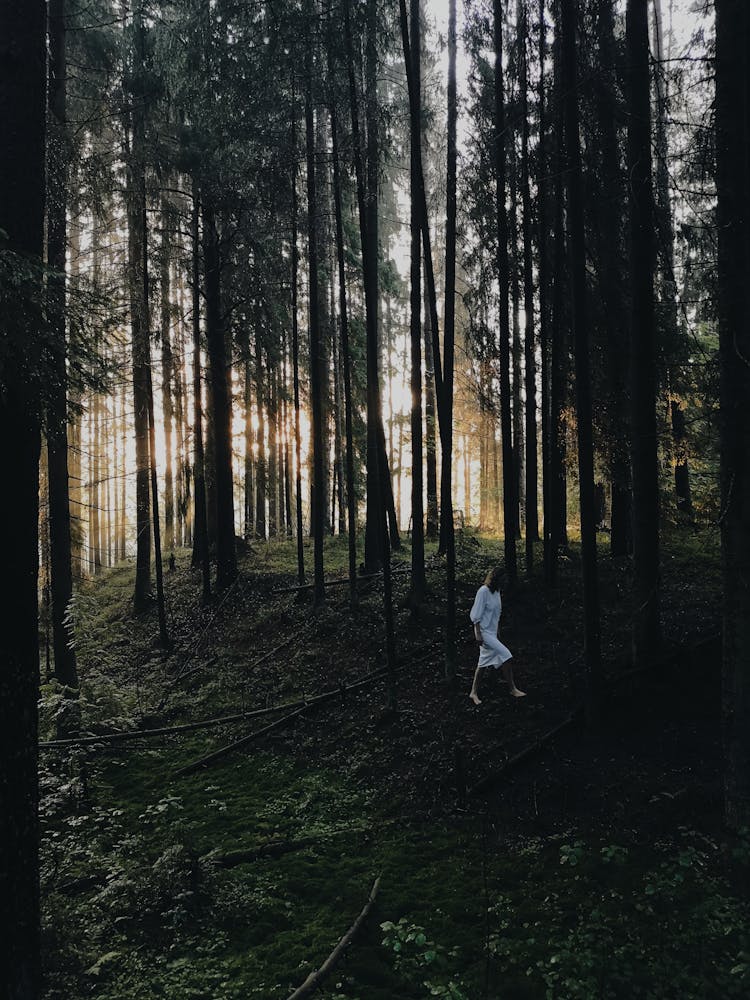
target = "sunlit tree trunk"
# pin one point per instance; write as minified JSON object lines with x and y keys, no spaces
{"x":200,"y":515}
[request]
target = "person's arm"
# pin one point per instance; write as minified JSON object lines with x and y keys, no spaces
{"x":476,"y":614}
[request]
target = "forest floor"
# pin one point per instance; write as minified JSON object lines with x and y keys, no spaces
{"x":596,"y":867}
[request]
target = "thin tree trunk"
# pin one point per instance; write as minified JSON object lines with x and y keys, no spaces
{"x":295,"y":351}
{"x":532,"y":514}
{"x":433,"y":520}
{"x":510,"y":501}
{"x":139,"y":318}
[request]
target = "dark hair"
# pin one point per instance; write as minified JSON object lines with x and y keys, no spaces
{"x":493,"y":578}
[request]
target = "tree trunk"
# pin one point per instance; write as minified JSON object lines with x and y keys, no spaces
{"x":532,"y":514}
{"x":295,"y":351}
{"x":644,"y":459}
{"x":200,"y":518}
{"x":22,"y":106}
{"x":57,"y":417}
{"x":733,"y":189}
{"x":418,"y":577}
{"x":510,"y":501}
{"x":592,"y":627}
{"x":139,"y":319}
{"x":167,"y":376}
{"x":316,"y":350}
{"x":610,"y":251}
{"x":430,"y":427}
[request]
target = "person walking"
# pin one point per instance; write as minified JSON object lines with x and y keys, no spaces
{"x":485,"y":617}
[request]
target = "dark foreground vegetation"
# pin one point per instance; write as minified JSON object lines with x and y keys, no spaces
{"x":598,"y":866}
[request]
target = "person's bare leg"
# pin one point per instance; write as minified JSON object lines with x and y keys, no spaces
{"x":475,"y":684}
{"x":508,"y":675}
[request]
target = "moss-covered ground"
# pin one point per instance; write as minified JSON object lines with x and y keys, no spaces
{"x":598,"y":869}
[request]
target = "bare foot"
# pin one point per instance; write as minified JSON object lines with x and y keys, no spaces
{"x":517,"y":694}
{"x":475,"y":698}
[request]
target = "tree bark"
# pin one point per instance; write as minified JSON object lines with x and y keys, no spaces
{"x":733,"y":189}
{"x":22,"y":126}
{"x":316,"y":351}
{"x":592,"y":626}
{"x":57,"y":417}
{"x":644,"y":459}
{"x":200,"y":518}
{"x":510,"y":501}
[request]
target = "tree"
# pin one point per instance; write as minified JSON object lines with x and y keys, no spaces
{"x":581,"y":338}
{"x":644,"y":461}
{"x":510,"y":500}
{"x":57,"y":415}
{"x":22,"y":155}
{"x":733,"y":190}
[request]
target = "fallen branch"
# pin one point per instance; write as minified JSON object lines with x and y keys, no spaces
{"x":494,"y":776}
{"x":315,"y":978}
{"x":340,"y":691}
{"x":339,"y":582}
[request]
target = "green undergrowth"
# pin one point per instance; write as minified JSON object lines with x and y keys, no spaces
{"x":460,"y":913}
{"x":137,"y":903}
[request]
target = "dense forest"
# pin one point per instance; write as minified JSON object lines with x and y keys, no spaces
{"x":313,"y":315}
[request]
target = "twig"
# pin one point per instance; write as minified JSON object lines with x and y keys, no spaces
{"x":315,"y":978}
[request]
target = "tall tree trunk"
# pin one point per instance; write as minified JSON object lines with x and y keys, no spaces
{"x":249,"y":494}
{"x":544,"y":290}
{"x":167,"y":376}
{"x":200,"y":516}
{"x":559,"y":340}
{"x":608,"y":228}
{"x":519,"y":464}
{"x":351,"y":500}
{"x":22,"y":106}
{"x":446,"y":478}
{"x":221,"y":401}
{"x":260,"y":464}
{"x":418,"y":577}
{"x":295,"y":351}
{"x":644,"y":460}
{"x":510,"y":501}
{"x":592,"y":627}
{"x":139,"y":318}
{"x":668,"y":303}
{"x":316,"y":351}
{"x":273,"y":466}
{"x":57,"y":418}
{"x":733,"y":189}
{"x":531,"y":483}
{"x":430,"y":428}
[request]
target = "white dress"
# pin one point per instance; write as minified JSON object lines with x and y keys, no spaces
{"x":486,"y":613}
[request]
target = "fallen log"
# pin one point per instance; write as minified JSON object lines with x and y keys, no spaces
{"x":494,"y":776}
{"x":274,"y":849}
{"x":340,"y":691}
{"x":315,"y":978}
